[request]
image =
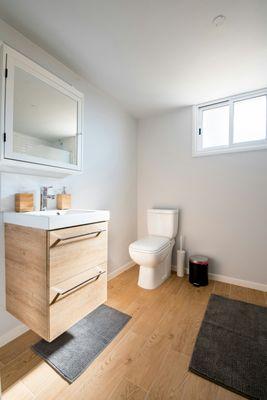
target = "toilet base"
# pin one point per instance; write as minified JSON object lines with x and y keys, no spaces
{"x":153,"y":277}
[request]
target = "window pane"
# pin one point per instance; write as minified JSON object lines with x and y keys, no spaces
{"x":250,"y":119}
{"x":215,"y":127}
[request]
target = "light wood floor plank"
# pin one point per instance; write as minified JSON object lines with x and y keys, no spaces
{"x":44,"y":382}
{"x":144,"y":368}
{"x":11,"y":350}
{"x":238,"y":293}
{"x":17,"y":392}
{"x":171,"y":377}
{"x":222,"y":289}
{"x":198,"y":388}
{"x":18,"y":368}
{"x":126,"y":390}
{"x":187,"y":327}
{"x":256,"y":297}
{"x":224,"y":394}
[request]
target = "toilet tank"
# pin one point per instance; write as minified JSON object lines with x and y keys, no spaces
{"x":161,"y":222}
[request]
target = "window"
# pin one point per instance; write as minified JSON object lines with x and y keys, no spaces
{"x":236,"y":123}
{"x":250,"y":119}
{"x":215,"y":120}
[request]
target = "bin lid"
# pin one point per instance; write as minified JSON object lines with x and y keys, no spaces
{"x":200,"y":260}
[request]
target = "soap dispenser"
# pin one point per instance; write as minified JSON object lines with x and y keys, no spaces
{"x":63,"y":200}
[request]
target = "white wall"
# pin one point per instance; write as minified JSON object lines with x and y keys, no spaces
{"x":109,"y":177}
{"x":223,"y":198}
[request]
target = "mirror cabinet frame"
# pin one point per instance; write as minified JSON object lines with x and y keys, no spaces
{"x":11,"y":161}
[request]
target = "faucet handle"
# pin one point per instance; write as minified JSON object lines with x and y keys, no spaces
{"x":46,"y":188}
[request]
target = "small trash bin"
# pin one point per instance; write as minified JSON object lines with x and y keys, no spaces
{"x":198,"y":270}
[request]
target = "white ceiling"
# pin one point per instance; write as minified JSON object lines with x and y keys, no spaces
{"x":152,"y":55}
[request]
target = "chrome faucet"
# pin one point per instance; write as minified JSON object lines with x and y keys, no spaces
{"x":44,"y":196}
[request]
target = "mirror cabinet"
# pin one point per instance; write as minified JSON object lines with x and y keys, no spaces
{"x":41,"y":119}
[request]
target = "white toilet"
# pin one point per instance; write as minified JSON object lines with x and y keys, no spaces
{"x":154,"y":252}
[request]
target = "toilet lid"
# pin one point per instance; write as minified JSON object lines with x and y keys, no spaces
{"x":150,"y":244}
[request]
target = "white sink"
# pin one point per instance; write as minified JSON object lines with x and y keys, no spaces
{"x":55,"y":219}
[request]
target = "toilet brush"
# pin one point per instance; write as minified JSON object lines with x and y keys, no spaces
{"x":180,"y":259}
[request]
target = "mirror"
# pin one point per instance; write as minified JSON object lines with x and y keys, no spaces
{"x":44,"y":120}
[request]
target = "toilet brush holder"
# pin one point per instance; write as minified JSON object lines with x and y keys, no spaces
{"x":180,"y":263}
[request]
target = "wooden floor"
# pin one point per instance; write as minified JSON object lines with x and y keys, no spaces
{"x":147,"y":360}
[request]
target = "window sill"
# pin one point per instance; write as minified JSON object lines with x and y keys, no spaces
{"x":238,"y":149}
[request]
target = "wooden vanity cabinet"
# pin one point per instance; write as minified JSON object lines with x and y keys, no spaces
{"x":55,"y":278}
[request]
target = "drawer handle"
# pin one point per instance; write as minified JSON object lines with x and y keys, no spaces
{"x":89,"y":235}
{"x":62,"y":292}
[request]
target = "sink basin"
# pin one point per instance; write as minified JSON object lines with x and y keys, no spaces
{"x":50,"y":213}
{"x":55,"y":219}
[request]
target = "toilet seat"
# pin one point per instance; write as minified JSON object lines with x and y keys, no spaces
{"x":150,"y":244}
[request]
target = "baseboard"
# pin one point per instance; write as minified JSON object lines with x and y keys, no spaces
{"x":12,"y":334}
{"x":233,"y":281}
{"x":239,"y":282}
{"x":120,"y":270}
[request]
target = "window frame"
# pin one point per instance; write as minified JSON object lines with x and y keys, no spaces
{"x":197,"y":148}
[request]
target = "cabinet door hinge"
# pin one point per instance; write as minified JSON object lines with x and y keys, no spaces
{"x":5,"y":137}
{"x":6,"y":73}
{"x":199,"y":132}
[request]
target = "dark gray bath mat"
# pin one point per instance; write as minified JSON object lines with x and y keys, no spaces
{"x":231,"y":347}
{"x":72,"y":352}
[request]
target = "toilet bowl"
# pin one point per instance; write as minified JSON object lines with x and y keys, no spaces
{"x":153,"y":253}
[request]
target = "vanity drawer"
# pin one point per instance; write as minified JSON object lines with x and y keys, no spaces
{"x":76,"y":302}
{"x":65,"y":288}
{"x":75,"y":250}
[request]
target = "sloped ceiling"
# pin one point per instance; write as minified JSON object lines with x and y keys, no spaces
{"x":152,"y":55}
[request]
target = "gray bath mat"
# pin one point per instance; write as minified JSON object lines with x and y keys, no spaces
{"x":231,"y":347}
{"x":72,"y":352}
